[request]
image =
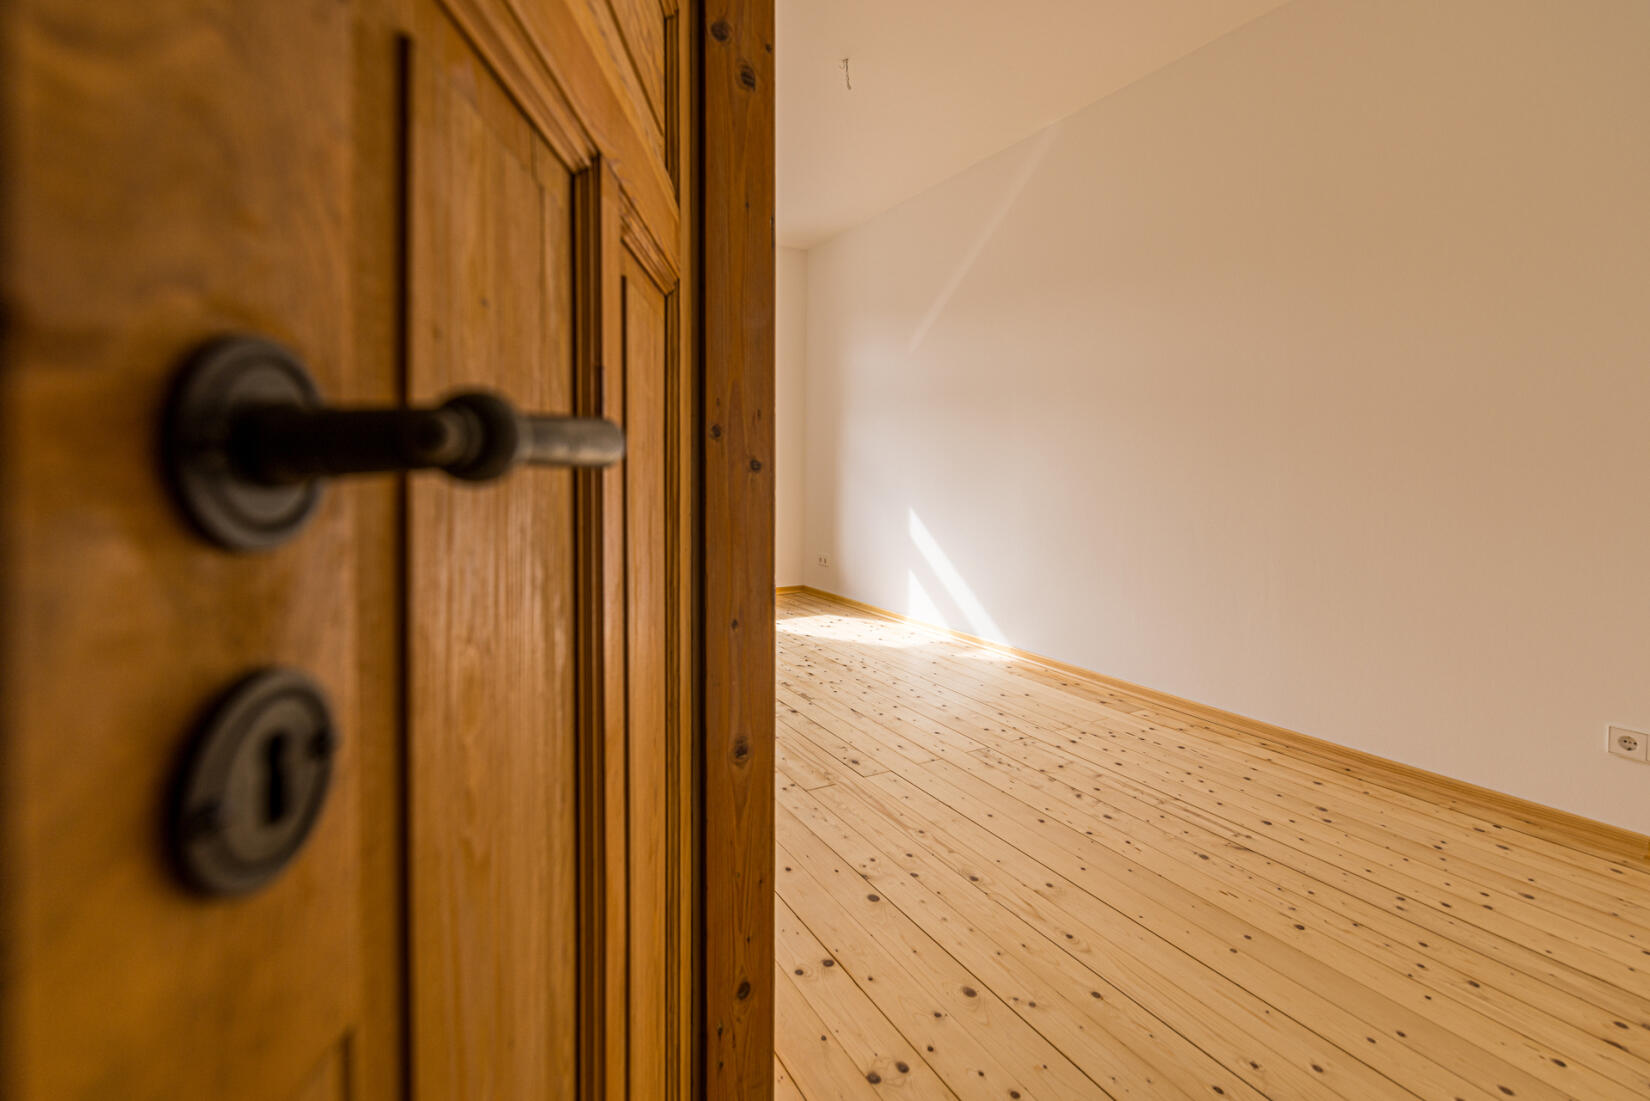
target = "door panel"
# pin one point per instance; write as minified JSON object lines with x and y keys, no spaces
{"x":546,"y":767}
{"x":562,"y":60}
{"x":491,"y":719}
{"x":641,"y":27}
{"x":637,"y":84}
{"x":229,"y":121}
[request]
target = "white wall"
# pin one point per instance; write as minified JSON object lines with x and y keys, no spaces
{"x":1308,"y":378}
{"x":790,"y":426}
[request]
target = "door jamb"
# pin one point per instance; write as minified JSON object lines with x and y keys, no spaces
{"x":733,"y":161}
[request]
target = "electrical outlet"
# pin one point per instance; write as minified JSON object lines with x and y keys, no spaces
{"x":1632,"y":744}
{"x":823,"y":560}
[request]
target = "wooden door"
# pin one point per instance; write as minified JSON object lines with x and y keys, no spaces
{"x":501,"y":896}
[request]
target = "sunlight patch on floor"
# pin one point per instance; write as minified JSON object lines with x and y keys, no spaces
{"x":846,"y":629}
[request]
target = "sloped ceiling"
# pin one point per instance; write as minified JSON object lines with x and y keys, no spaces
{"x":940,"y":84}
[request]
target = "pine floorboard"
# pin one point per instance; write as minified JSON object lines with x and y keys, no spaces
{"x":997,"y":879}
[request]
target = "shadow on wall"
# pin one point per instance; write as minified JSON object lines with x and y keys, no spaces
{"x":988,"y":229}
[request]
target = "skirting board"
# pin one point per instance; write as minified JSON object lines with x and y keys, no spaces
{"x":1535,"y":817}
{"x":781,"y":590}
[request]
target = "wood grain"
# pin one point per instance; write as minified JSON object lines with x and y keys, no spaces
{"x":378,"y":1049}
{"x":642,"y":25}
{"x":622,"y":842}
{"x":1222,"y":911}
{"x":737,"y":199}
{"x":1562,"y":827}
{"x":125,"y":246}
{"x":682,"y":473}
{"x":552,"y":56}
{"x":648,"y":759}
{"x":492,"y":727}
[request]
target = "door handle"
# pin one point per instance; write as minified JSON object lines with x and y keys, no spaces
{"x":249,"y":443}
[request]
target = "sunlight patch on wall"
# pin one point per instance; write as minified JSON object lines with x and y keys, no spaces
{"x":975,"y":619}
{"x":918,"y":604}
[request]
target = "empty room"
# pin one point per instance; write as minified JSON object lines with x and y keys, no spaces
{"x":1213,"y":549}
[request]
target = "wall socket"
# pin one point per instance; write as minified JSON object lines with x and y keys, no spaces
{"x":823,"y":559}
{"x":1632,"y":744}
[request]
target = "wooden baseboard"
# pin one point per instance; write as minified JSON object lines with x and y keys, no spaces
{"x":781,"y":590}
{"x":1548,"y":820}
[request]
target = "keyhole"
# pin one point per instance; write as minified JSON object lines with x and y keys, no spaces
{"x":276,"y":782}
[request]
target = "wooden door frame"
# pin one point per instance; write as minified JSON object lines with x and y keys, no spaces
{"x":734,"y":257}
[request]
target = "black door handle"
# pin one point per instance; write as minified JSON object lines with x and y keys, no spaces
{"x":248,"y":442}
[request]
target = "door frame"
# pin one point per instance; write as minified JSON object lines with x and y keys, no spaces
{"x":734,"y":256}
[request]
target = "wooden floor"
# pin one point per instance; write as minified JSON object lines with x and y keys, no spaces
{"x":999,"y":880}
